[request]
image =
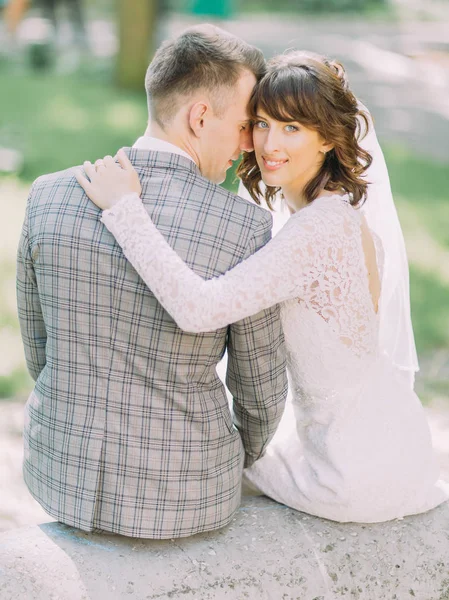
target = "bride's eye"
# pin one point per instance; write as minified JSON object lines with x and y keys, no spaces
{"x":290,"y":128}
{"x":261,"y":124}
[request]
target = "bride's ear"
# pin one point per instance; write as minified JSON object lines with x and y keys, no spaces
{"x":326,"y":147}
{"x":197,"y":116}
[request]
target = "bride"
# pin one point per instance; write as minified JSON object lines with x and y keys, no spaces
{"x":359,"y":448}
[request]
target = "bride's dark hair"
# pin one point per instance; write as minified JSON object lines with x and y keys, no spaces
{"x":313,"y":90}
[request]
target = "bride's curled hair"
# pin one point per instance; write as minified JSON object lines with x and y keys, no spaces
{"x":313,"y":90}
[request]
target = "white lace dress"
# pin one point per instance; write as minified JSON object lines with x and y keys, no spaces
{"x":359,"y":448}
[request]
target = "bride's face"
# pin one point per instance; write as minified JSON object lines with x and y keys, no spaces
{"x":289,"y":155}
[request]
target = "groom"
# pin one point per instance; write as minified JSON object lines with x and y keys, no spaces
{"x":128,"y":429}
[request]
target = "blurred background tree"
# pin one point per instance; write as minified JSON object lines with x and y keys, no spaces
{"x":137,"y":22}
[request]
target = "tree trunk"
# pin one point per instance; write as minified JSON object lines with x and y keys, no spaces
{"x":137,"y":28}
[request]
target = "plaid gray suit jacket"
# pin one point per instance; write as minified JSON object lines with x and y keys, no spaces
{"x":128,"y":428}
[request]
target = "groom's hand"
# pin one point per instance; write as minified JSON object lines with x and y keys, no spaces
{"x":107,"y":182}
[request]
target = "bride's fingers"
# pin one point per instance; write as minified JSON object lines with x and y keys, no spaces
{"x":83,"y":181}
{"x":89,"y":169}
{"x":99,"y":163}
{"x":109,"y":161}
{"x":124,"y":160}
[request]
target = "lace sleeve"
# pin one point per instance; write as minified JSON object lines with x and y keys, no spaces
{"x":285,"y":268}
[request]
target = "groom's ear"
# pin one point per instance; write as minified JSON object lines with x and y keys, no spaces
{"x":198,"y":113}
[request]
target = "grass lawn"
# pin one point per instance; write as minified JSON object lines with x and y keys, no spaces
{"x":58,"y":122}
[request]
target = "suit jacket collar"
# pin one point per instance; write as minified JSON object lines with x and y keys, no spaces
{"x":151,"y":159}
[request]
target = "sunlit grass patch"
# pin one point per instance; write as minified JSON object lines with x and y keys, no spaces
{"x":15,"y":383}
{"x":421,"y":192}
{"x":58,"y":122}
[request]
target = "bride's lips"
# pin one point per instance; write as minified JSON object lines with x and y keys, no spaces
{"x":273,"y":165}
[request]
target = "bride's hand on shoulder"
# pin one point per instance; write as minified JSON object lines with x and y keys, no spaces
{"x":107,"y":182}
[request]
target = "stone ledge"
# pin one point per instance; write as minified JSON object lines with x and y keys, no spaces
{"x":268,"y":552}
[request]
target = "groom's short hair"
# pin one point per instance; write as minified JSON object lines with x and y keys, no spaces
{"x":202,"y":57}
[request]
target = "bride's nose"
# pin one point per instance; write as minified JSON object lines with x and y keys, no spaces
{"x":271,"y":142}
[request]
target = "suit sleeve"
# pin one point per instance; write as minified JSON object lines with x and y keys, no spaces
{"x":256,"y":372}
{"x":32,"y":326}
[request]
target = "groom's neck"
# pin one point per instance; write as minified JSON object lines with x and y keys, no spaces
{"x":154,"y":130}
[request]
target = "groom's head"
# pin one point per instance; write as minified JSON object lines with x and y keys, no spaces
{"x":198,"y":87}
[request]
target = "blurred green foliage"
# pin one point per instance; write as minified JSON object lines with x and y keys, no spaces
{"x":15,"y":383}
{"x":312,"y":6}
{"x":60,"y":121}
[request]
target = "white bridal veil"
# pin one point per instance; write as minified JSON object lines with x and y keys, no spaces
{"x":396,"y":330}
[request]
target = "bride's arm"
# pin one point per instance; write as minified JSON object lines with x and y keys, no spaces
{"x":273,"y":274}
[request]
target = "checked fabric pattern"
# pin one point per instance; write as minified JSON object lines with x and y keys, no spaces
{"x":128,"y":429}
